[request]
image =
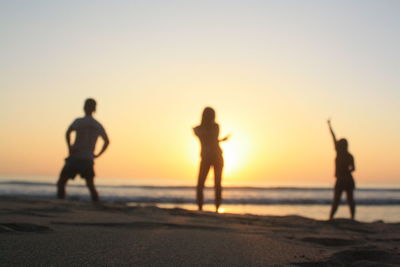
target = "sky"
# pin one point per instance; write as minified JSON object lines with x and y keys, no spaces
{"x":274,"y":71}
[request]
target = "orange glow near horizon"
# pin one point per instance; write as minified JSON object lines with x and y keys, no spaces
{"x":272,"y":71}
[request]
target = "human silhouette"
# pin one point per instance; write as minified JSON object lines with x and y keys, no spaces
{"x":344,"y":166}
{"x":81,"y":153}
{"x":211,"y":155}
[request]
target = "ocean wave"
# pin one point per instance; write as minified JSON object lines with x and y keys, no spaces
{"x":185,"y":194}
{"x":183,"y":187}
{"x":226,"y":201}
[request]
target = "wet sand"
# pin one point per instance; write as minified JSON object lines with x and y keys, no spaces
{"x":43,"y":232}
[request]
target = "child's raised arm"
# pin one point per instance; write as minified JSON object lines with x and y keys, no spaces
{"x":332,"y":132}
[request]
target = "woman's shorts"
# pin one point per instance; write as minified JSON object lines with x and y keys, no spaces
{"x":213,"y":160}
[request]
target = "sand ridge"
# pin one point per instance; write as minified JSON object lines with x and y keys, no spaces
{"x":45,"y":232}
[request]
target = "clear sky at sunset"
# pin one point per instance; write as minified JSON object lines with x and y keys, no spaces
{"x":274,"y":71}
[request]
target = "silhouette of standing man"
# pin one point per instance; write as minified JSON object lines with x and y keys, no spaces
{"x":81,"y":153}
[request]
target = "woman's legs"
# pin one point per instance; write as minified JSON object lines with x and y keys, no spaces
{"x":350,"y":200}
{"x":204,"y":168}
{"x":217,"y":184}
{"x":335,"y":203}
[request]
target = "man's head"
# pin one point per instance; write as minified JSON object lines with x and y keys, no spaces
{"x":90,"y":106}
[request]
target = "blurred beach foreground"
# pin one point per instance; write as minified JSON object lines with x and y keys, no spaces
{"x":46,"y":232}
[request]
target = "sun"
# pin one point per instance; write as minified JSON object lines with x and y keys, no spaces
{"x":231,"y":158}
{"x":235,"y":156}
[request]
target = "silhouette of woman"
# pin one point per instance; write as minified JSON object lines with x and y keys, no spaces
{"x":344,"y":179}
{"x":211,"y":155}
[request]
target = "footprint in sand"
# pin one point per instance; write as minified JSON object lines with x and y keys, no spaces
{"x":23,"y":227}
{"x":357,"y":257}
{"x":332,"y":242}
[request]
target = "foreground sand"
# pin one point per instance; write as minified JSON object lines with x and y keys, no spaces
{"x":41,"y":232}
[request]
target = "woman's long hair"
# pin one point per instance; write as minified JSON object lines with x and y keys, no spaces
{"x":208,"y":117}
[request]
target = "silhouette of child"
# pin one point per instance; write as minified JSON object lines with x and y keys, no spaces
{"x":344,"y":166}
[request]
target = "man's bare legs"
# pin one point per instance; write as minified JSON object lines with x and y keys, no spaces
{"x":92,"y":189}
{"x":62,"y":182}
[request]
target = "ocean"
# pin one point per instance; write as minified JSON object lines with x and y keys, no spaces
{"x":373,"y":203}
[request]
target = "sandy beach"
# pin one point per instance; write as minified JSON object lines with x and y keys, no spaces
{"x":43,"y":232}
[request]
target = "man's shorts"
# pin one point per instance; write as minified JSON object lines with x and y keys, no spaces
{"x":74,"y":166}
